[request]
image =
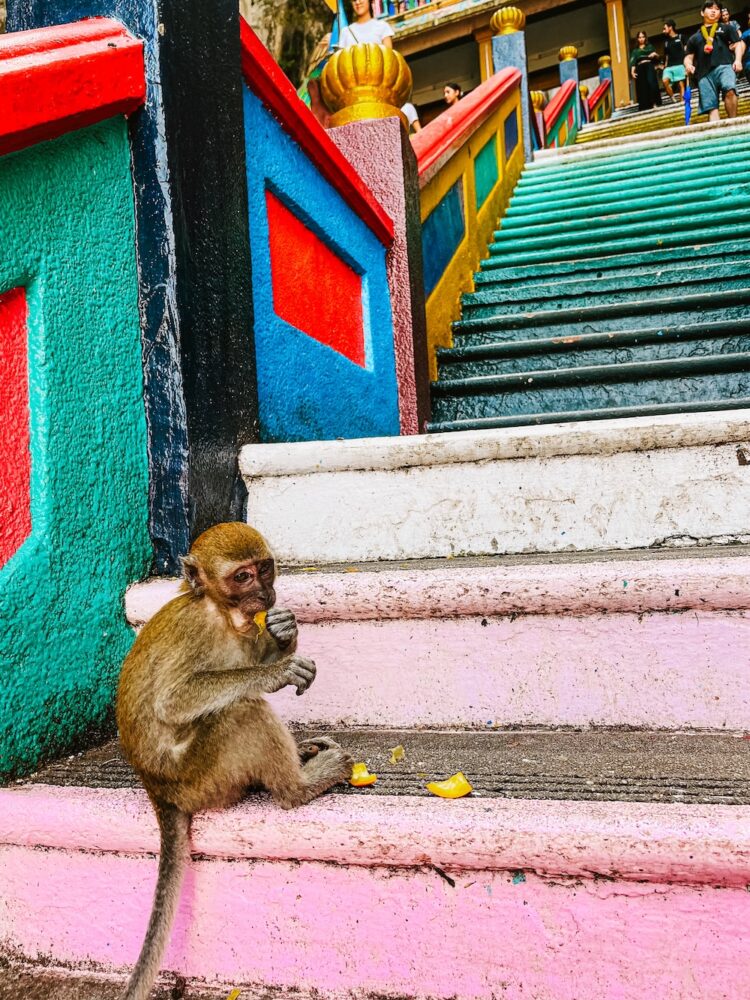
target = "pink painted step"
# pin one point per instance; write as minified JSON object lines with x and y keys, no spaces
{"x":552,"y":900}
{"x":650,"y":642}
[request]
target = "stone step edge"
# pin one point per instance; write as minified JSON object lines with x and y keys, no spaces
{"x":612,"y":145}
{"x":644,"y":842}
{"x":622,"y":585}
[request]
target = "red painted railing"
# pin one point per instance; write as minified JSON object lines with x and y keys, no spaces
{"x":270,"y":85}
{"x":598,"y":96}
{"x":444,"y":135}
{"x":556,"y":106}
{"x":53,"y":80}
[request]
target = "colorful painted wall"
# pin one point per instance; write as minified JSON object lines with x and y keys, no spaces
{"x":323,"y":322}
{"x":561,"y":116}
{"x":73,"y":472}
{"x":469,"y":161}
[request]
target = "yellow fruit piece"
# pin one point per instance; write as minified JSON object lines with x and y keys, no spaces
{"x":397,"y":753}
{"x":260,"y":620}
{"x":452,"y":788}
{"x":361,"y":776}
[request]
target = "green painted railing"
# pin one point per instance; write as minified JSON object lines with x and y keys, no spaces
{"x":562,"y":117}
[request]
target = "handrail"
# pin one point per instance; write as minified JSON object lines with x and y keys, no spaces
{"x":599,"y":94}
{"x":272,"y":87}
{"x":554,"y":109}
{"x":54,"y":80}
{"x":436,"y":143}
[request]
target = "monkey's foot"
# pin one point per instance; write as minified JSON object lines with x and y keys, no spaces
{"x":311,"y":748}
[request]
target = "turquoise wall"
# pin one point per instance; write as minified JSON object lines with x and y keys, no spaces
{"x":67,"y":235}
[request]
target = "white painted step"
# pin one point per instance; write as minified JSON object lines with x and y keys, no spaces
{"x":671,"y":481}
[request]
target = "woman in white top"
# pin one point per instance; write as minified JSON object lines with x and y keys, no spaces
{"x":366,"y":28}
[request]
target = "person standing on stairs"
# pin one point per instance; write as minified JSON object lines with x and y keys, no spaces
{"x":366,"y":28}
{"x":714,"y":55}
{"x":643,"y":61}
{"x":745,"y":39}
{"x":674,"y":55}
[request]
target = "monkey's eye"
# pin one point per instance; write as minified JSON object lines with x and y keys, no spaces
{"x":242,"y":576}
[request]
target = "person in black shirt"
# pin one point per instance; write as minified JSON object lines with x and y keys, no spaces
{"x":714,"y":55}
{"x":674,"y":55}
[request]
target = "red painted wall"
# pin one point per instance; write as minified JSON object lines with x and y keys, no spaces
{"x":15,"y":457}
{"x":314,"y":290}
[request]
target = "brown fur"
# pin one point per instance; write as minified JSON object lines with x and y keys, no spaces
{"x":191,"y":713}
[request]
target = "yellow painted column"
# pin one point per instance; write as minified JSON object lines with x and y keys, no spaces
{"x":619,"y":47}
{"x":483,"y":38}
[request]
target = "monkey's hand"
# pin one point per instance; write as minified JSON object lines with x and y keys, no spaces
{"x":296,"y":672}
{"x":283,"y":626}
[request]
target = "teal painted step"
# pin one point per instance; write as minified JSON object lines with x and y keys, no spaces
{"x":625,"y":206}
{"x":643,"y":285}
{"x":628,"y":346}
{"x":636,"y":160}
{"x":605,"y":413}
{"x":692,"y":184}
{"x":707,"y":379}
{"x":497,"y":273}
{"x":672,"y":311}
{"x":518,"y":253}
{"x":602,"y":227}
{"x":692,"y":178}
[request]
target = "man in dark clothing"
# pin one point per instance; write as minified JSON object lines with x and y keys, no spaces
{"x":674,"y":55}
{"x":714,"y":55}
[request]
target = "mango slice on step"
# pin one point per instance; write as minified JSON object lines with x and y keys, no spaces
{"x":361,"y":776}
{"x":260,"y":621}
{"x":452,"y":788}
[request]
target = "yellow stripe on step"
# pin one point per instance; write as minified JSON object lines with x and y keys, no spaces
{"x":234,"y":995}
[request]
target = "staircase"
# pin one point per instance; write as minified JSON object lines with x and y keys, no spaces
{"x":631,"y":121}
{"x":562,"y":613}
{"x":617,"y":285}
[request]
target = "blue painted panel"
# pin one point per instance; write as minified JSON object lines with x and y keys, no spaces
{"x":442,"y":232}
{"x":485,"y":171}
{"x":510,"y":129}
{"x":306,"y":390}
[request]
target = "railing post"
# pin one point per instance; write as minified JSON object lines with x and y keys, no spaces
{"x":605,"y":68}
{"x":538,"y":101}
{"x":509,"y":51}
{"x":569,"y":71}
{"x":583,"y":90}
{"x":365,"y":86}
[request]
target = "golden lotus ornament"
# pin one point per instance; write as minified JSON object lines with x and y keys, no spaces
{"x":365,"y":81}
{"x":568,"y":52}
{"x":508,"y":20}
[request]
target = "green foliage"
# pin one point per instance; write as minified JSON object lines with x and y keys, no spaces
{"x":294,"y":28}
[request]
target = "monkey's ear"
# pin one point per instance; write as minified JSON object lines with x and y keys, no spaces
{"x":193,"y":573}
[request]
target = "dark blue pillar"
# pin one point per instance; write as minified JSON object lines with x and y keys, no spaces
{"x":193,"y":255}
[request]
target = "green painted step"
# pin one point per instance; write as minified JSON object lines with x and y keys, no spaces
{"x":570,"y":197}
{"x":496,"y":272}
{"x":632,"y":224}
{"x":668,"y":202}
{"x":605,"y":413}
{"x":709,"y":379}
{"x":594,"y":349}
{"x":605,"y":323}
{"x":552,"y":254}
{"x":637,"y":162}
{"x":645,"y":286}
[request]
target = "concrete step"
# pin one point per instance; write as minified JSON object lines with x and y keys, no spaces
{"x":670,"y":311}
{"x":635,"y":226}
{"x":673,"y":280}
{"x":627,"y":205}
{"x":715,"y":380}
{"x":384,"y":890}
{"x":731,"y":253}
{"x":616,"y":348}
{"x":504,"y":491}
{"x":654,"y":147}
{"x":692,"y":181}
{"x":608,"y":244}
{"x":670,"y":117}
{"x":635,"y":639}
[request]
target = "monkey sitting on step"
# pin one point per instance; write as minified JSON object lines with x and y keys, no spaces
{"x":192,"y":718}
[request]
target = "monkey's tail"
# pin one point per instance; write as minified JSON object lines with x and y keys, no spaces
{"x":174,"y":827}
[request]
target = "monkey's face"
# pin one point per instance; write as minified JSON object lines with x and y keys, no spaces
{"x":248,"y":585}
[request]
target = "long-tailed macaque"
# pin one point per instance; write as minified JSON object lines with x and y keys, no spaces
{"x":191,"y":713}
